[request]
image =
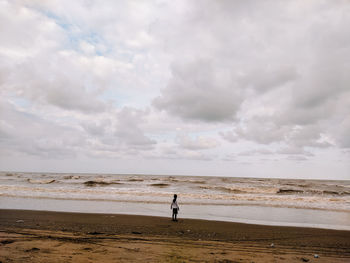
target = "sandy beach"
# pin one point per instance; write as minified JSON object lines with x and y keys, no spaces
{"x":39,"y":236}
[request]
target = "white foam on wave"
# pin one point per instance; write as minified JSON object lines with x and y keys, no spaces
{"x":331,"y":195}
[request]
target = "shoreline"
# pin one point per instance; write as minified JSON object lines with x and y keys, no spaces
{"x":153,"y":237}
{"x":165,"y":202}
{"x":251,"y":214}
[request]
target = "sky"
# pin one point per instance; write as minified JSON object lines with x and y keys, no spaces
{"x":221,"y":88}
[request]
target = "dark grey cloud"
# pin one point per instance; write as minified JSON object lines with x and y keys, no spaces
{"x":119,"y":133}
{"x":263,"y":79}
{"x":260,"y":130}
{"x":278,"y":77}
{"x":128,"y":129}
{"x":343,"y":132}
{"x":96,"y":127}
{"x":197,"y":91}
{"x":265,"y":131}
{"x":40,"y":137}
{"x":56,"y":139}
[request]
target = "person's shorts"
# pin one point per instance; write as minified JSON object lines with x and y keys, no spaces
{"x":174,"y":210}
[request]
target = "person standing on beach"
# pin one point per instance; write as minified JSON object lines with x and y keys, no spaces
{"x":175,"y":208}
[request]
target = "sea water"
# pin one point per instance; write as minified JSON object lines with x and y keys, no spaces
{"x":290,"y":202}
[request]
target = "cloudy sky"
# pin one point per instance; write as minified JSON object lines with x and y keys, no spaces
{"x":230,"y":88}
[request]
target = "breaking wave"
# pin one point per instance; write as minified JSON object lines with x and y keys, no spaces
{"x":48,"y":181}
{"x":101,"y":183}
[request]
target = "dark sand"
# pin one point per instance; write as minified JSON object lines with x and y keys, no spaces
{"x":36,"y":236}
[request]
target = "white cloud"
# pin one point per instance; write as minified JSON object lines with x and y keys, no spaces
{"x":297,"y":66}
{"x":256,"y":152}
{"x":198,"y":143}
{"x":175,"y":80}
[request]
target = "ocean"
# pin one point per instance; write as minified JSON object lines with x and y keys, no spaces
{"x":289,"y":202}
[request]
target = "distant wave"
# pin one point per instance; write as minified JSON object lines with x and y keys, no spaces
{"x":47,"y":181}
{"x":94,"y":183}
{"x":311,"y":191}
{"x":188,"y":181}
{"x":240,"y":190}
{"x":67,"y":177}
{"x":336,"y":193}
{"x":289,"y":191}
{"x":272,"y":190}
{"x":135,"y":180}
{"x":160,"y":185}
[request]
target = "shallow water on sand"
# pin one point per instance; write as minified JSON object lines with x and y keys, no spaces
{"x":263,"y":215}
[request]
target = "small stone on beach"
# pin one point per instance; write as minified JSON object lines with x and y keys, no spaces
{"x":33,"y":249}
{"x":4,"y":242}
{"x":94,"y":233}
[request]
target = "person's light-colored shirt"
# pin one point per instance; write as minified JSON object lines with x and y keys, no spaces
{"x":174,"y":205}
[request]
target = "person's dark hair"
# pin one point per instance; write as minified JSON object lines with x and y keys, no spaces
{"x":175,"y":196}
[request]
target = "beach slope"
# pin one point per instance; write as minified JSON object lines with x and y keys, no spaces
{"x":39,"y":236}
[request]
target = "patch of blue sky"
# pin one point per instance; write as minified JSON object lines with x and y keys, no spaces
{"x":118,"y":99}
{"x":168,"y":136}
{"x":209,"y":132}
{"x":128,"y":97}
{"x":21,"y":102}
{"x":58,"y":20}
{"x":76,"y":34}
{"x":124,"y":53}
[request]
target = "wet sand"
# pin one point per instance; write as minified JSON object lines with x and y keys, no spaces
{"x":38,"y":236}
